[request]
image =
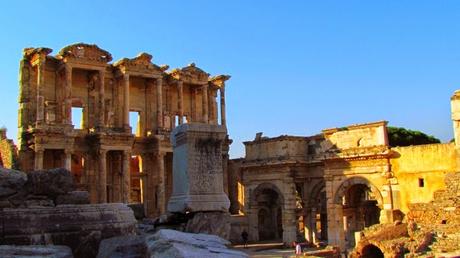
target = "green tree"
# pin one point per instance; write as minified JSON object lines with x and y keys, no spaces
{"x":399,"y":136}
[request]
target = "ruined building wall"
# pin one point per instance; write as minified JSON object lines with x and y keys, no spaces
{"x":420,"y":171}
{"x":111,"y":157}
{"x":8,"y":151}
{"x":336,"y":169}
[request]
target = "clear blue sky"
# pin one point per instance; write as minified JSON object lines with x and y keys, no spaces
{"x":297,"y":66}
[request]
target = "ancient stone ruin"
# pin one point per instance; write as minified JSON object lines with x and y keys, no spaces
{"x":84,"y":159}
{"x":43,"y":208}
{"x":430,"y":229}
{"x":198,"y":189}
{"x":75,"y":112}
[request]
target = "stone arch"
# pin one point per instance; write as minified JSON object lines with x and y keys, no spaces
{"x":315,"y":217}
{"x":358,"y":180}
{"x":354,"y":209}
{"x":264,"y":186}
{"x":315,"y":192}
{"x":267,"y":203}
{"x":371,"y":251}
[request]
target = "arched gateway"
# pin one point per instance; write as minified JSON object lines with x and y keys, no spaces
{"x":268,"y":201}
{"x":357,"y":203}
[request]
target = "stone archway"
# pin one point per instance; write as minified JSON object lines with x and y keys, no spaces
{"x":267,"y":201}
{"x":359,"y":203}
{"x":315,"y":214}
{"x":371,"y":251}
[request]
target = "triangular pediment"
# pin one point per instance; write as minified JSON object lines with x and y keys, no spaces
{"x":190,"y":74}
{"x":140,"y":63}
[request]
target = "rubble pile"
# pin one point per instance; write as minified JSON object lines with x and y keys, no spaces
{"x":432,"y":229}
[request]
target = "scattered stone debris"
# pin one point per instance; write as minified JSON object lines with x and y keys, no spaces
{"x":168,"y":243}
{"x":38,"y":188}
{"x":432,"y":229}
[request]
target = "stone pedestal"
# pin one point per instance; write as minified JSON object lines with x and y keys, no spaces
{"x":197,"y":169}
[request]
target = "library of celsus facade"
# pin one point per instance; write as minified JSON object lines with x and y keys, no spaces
{"x":75,"y":110}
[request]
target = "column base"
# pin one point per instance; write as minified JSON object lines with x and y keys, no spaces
{"x":194,"y":203}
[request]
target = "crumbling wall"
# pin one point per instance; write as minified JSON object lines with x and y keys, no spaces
{"x":8,"y":151}
{"x":420,"y":171}
{"x":431,"y":229}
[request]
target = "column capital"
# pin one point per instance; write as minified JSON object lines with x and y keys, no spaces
{"x":159,"y":80}
{"x":67,"y":67}
{"x":159,"y":154}
{"x":102,"y":151}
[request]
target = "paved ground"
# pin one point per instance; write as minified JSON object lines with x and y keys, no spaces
{"x":266,"y":250}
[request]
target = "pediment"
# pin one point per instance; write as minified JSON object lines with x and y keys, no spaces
{"x":140,"y":63}
{"x":85,"y":52}
{"x":219,"y":80}
{"x":190,"y":74}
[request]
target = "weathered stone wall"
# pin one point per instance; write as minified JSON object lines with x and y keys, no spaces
{"x":235,"y":187}
{"x":8,"y":151}
{"x":362,"y":135}
{"x":277,"y":148}
{"x":428,"y":163}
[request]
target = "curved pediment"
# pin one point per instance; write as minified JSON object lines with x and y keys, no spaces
{"x":219,"y":80}
{"x":141,"y":63}
{"x":85,"y":52}
{"x":190,"y":74}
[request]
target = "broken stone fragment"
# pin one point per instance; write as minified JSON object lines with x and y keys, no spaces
{"x":51,"y":182}
{"x":215,"y":223}
{"x":11,"y":182}
{"x":81,"y":227}
{"x":168,"y":243}
{"x":44,"y":251}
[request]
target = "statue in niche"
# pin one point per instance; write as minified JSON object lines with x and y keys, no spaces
{"x":92,"y":81}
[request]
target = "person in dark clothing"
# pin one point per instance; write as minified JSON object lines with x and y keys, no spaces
{"x":244,"y":236}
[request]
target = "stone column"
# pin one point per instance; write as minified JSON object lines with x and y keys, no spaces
{"x":193,"y":117}
{"x":223,"y":119}
{"x":160,"y":102}
{"x":335,"y":225}
{"x":126,"y":101}
{"x":101,"y":98}
{"x":68,"y":95}
{"x":180,"y":88}
{"x":148,"y":114}
{"x":205,"y":103}
{"x":161,"y":195}
{"x":126,"y":176}
{"x":102,"y":186}
{"x":213,"y":106}
{"x":148,"y":192}
{"x":289,"y":226}
{"x":39,"y":159}
{"x":40,"y":89}
{"x":307,"y":220}
{"x":313,"y":229}
{"x":68,"y":160}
